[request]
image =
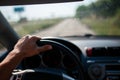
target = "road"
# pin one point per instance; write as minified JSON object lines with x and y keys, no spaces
{"x":66,"y":28}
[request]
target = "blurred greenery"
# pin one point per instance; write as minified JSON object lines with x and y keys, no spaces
{"x":100,"y":8}
{"x":34,"y":26}
{"x":102,"y":16}
{"x":108,"y":26}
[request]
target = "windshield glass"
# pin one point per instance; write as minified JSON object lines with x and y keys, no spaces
{"x":95,"y":17}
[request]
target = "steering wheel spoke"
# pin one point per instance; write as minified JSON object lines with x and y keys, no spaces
{"x":40,"y":74}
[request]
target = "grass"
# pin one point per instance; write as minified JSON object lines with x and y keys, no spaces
{"x":34,"y":26}
{"x":109,"y":26}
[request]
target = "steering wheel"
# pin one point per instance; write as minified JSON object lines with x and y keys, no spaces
{"x":50,"y":73}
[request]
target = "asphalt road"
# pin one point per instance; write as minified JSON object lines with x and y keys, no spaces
{"x":67,"y":27}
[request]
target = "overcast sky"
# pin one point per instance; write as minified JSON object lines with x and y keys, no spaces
{"x":43,"y":11}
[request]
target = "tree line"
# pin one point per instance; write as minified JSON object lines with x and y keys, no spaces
{"x":100,"y":8}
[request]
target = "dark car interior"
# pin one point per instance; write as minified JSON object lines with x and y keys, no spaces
{"x":88,"y":57}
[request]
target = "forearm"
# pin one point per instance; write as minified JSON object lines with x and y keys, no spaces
{"x":9,"y":63}
{"x":25,"y":47}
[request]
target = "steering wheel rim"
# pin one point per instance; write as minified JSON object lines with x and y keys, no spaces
{"x":69,"y":52}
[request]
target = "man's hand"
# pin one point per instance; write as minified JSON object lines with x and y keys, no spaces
{"x":27,"y":46}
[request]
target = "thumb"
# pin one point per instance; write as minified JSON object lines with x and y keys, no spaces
{"x":44,"y":48}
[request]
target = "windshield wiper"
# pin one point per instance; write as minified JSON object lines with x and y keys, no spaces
{"x":86,"y":35}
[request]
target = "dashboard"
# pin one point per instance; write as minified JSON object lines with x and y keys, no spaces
{"x":99,"y":56}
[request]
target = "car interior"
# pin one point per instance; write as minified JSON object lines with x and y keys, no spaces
{"x":91,"y":53}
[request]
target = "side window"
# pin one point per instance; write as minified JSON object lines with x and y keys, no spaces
{"x":2,"y":49}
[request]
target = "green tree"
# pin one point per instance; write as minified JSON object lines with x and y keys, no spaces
{"x":102,"y":8}
{"x":82,"y":11}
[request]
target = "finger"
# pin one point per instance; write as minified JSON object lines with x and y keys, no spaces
{"x":44,"y":48}
{"x":35,"y":38}
{"x":27,"y":36}
{"x":24,"y":38}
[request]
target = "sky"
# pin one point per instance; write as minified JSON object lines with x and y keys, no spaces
{"x":43,"y":11}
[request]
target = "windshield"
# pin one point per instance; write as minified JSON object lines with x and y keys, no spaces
{"x":94,"y":17}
